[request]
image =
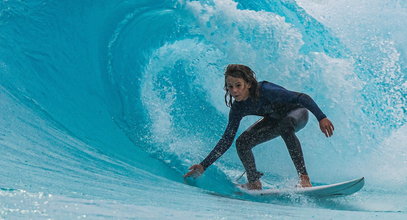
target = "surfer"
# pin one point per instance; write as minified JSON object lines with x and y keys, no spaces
{"x":283,"y":114}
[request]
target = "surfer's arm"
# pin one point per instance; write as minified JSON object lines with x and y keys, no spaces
{"x":325,"y":124}
{"x":221,"y":147}
{"x":225,"y":142}
{"x":306,"y":101}
{"x":281,"y":95}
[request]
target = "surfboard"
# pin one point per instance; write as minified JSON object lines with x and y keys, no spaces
{"x":337,"y":189}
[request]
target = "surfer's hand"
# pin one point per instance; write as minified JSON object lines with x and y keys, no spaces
{"x":196,"y":170}
{"x":326,"y":127}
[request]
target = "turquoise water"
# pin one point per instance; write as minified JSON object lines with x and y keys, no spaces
{"x":105,"y":104}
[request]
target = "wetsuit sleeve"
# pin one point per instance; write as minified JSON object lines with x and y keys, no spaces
{"x":286,"y":96}
{"x":306,"y":101}
{"x":225,"y":142}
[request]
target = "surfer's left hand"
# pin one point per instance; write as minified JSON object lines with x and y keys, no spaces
{"x":326,"y":127}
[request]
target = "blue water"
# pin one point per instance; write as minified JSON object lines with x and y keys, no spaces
{"x":105,"y":104}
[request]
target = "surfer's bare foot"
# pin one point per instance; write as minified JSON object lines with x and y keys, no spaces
{"x":256,"y":185}
{"x":304,"y":181}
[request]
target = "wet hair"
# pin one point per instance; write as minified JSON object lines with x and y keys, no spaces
{"x":245,"y":73}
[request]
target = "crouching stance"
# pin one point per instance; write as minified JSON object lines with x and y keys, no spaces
{"x":284,"y":112}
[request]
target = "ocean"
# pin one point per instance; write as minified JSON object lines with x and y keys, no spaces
{"x":104,"y":105}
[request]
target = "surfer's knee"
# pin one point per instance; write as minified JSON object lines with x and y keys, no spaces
{"x":242,"y":144}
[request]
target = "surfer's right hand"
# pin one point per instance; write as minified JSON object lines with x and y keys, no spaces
{"x":195,"y":171}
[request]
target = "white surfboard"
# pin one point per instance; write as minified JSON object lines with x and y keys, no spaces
{"x":337,"y":189}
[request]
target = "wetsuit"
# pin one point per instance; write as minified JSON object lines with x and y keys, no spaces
{"x":284,"y":113}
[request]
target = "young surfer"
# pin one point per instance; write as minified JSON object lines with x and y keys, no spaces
{"x":284,"y":112}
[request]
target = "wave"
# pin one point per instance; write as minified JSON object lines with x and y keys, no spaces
{"x":99,"y":99}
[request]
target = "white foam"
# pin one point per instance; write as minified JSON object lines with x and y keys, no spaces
{"x":388,"y":164}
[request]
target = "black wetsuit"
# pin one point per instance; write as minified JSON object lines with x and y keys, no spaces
{"x":284,"y":113}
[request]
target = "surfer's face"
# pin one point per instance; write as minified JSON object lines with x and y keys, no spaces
{"x":238,"y":88}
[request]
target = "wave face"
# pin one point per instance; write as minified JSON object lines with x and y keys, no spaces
{"x":105,"y":104}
